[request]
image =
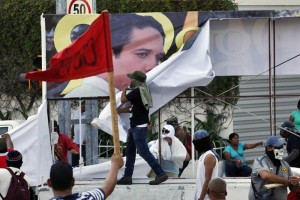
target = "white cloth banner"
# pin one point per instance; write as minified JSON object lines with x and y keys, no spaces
{"x":32,"y":139}
{"x":188,"y":68}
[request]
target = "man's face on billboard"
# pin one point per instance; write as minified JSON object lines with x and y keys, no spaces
{"x":142,"y":53}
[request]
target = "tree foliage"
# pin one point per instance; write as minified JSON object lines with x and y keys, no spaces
{"x":20,"y":42}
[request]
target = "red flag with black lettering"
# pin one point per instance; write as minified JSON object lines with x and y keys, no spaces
{"x":89,"y":55}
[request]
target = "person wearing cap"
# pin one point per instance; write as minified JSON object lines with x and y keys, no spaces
{"x":14,"y":161}
{"x":140,"y":98}
{"x":183,"y":137}
{"x":6,"y":145}
{"x":271,"y":168}
{"x":62,"y":181}
{"x":173,"y":153}
{"x":217,"y":189}
{"x":207,"y":164}
{"x":236,"y":165}
{"x":292,"y":136}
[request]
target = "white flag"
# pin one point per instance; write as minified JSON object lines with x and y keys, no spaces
{"x":32,"y":140}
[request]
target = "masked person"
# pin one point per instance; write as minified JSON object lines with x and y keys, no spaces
{"x":270,"y":168}
{"x":292,"y":137}
{"x":207,"y":165}
{"x":184,"y":137}
{"x":141,"y":100}
{"x":173,"y":153}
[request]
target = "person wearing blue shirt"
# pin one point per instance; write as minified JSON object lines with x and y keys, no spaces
{"x":295,"y":117}
{"x":234,"y":155}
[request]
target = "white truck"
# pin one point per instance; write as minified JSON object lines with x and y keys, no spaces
{"x":6,"y":125}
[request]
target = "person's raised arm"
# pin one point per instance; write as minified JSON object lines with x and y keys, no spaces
{"x":251,"y":146}
{"x":111,"y":179}
{"x":123,"y":95}
{"x":9,"y":143}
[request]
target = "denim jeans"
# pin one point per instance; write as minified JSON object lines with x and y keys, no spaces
{"x":232,"y":170}
{"x":136,"y":140}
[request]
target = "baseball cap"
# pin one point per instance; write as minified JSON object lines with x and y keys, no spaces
{"x":274,"y":141}
{"x":138,"y":75}
{"x":200,"y":134}
{"x":171,"y":120}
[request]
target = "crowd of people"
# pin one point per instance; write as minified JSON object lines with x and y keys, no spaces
{"x":174,"y":149}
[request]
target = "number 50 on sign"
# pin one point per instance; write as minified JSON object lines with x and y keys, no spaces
{"x":79,"y":6}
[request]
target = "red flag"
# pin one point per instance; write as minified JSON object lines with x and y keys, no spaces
{"x":89,"y":55}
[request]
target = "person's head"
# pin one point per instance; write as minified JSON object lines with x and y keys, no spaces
{"x":14,"y":159}
{"x":83,"y":106}
{"x":56,"y":127}
{"x":298,"y":105}
{"x":61,"y":176}
{"x":168,"y":133}
{"x":234,"y":139}
{"x":137,"y":78}
{"x":137,"y":42}
{"x":173,"y":121}
{"x":217,"y":189}
{"x":3,"y":145}
{"x":274,"y":149}
{"x":285,"y":129}
{"x":201,"y":141}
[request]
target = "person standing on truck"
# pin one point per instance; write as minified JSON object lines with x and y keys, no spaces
{"x":6,"y":145}
{"x":185,"y":139}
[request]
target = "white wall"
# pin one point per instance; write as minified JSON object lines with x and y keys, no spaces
{"x":268,"y":4}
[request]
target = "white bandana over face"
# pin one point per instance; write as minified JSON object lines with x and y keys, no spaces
{"x":175,"y":152}
{"x":168,"y":132}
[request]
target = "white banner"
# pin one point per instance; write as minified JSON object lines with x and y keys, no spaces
{"x":32,"y":140}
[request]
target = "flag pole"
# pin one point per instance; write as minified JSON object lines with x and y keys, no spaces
{"x":112,"y":95}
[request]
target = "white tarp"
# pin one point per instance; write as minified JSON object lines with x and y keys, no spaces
{"x":188,"y":68}
{"x":32,"y":139}
{"x":141,"y":169}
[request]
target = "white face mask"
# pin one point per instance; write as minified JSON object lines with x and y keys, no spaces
{"x":170,"y":132}
{"x":278,"y":153}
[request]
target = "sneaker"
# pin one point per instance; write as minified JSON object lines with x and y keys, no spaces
{"x":125,"y":180}
{"x":159,"y":179}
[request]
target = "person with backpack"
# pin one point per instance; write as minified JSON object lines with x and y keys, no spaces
{"x":185,"y":139}
{"x":13,"y":182}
